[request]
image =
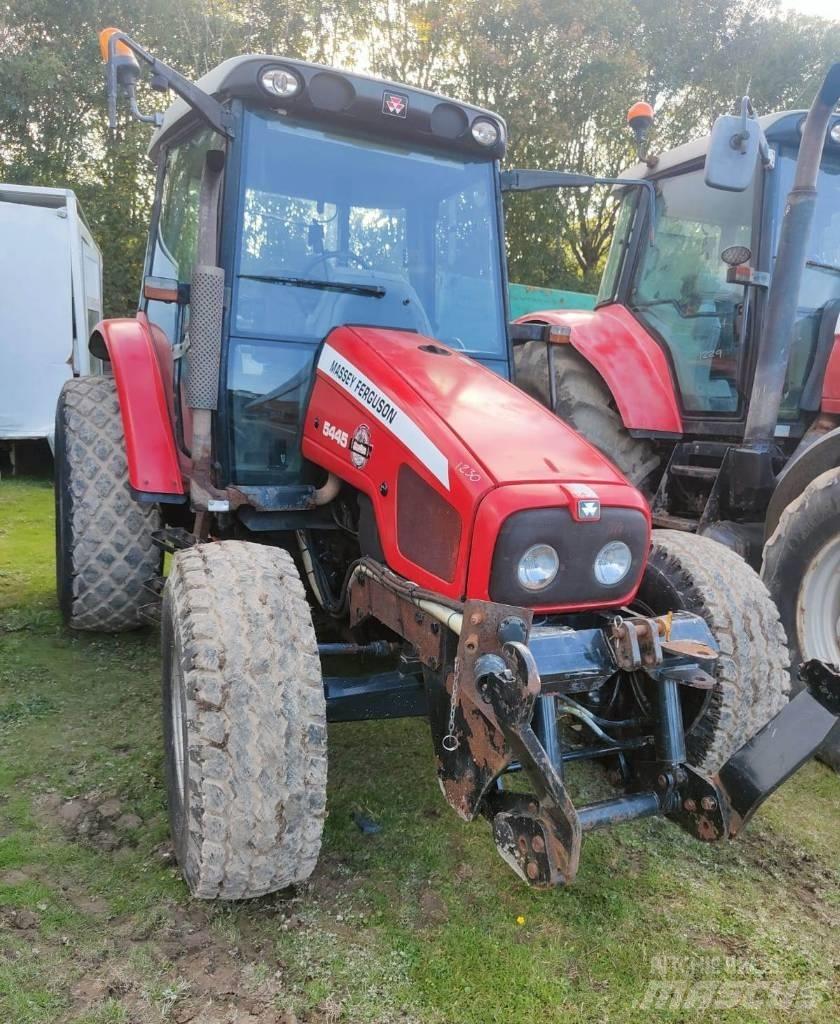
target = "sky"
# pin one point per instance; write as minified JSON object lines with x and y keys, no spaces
{"x":822,"y":8}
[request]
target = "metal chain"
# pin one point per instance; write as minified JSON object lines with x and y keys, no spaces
{"x":450,"y":740}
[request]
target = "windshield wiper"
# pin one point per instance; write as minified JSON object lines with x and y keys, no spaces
{"x":822,"y":266}
{"x":375,"y":291}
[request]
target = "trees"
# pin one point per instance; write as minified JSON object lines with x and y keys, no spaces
{"x":561,"y":73}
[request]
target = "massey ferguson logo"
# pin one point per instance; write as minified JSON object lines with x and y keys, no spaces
{"x":589,"y":509}
{"x":360,"y":446}
{"x":394,"y":104}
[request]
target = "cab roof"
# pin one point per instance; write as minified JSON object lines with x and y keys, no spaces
{"x":355,"y":101}
{"x":781,"y":125}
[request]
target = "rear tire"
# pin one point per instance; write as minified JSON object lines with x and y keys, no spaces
{"x":801,"y":567}
{"x":585,"y":403}
{"x":690,"y":573}
{"x":104,"y":548}
{"x":244,"y":721}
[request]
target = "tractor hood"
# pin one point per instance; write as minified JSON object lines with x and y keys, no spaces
{"x":431,"y":436}
{"x":508,"y":435}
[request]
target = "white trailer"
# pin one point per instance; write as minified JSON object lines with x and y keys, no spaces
{"x":50,"y":299}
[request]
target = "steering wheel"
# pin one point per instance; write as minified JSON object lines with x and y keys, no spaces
{"x":334,"y":254}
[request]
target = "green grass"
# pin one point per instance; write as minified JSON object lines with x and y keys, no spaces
{"x":416,"y":923}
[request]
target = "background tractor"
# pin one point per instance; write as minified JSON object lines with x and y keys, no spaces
{"x":709,"y":370}
{"x":310,"y":412}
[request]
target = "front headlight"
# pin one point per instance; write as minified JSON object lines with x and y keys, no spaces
{"x":485,"y":132}
{"x":538,"y":567}
{"x":612,"y":563}
{"x":280,"y":82}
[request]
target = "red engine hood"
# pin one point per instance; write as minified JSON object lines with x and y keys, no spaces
{"x":513,"y":437}
{"x":384,"y":401}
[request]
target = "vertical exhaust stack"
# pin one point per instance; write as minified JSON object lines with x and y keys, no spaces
{"x":774,"y":352}
{"x":207,"y":292}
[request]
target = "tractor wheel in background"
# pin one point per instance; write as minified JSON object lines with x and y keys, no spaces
{"x":244,"y":718}
{"x":801,"y":567}
{"x":103,"y":537}
{"x":690,"y":573}
{"x":585,"y":403}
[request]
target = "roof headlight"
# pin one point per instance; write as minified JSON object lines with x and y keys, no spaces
{"x":612,"y":563}
{"x":485,"y":132}
{"x":281,"y":82}
{"x":538,"y":567}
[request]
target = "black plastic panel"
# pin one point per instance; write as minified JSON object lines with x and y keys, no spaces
{"x":577,"y":544}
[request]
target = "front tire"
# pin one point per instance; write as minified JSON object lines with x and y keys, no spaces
{"x":244,"y":721}
{"x":585,"y":403}
{"x":752,"y":682}
{"x":801,"y":567}
{"x":104,"y":547}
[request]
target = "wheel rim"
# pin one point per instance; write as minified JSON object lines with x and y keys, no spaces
{"x":178,"y":727}
{"x":818,"y":605}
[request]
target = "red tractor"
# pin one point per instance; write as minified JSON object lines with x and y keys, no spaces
{"x":312,"y":413}
{"x":709,"y":370}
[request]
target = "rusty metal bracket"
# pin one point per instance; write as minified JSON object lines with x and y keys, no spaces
{"x":369,"y":597}
{"x":498,"y":684}
{"x":643,"y":643}
{"x":467,"y":772}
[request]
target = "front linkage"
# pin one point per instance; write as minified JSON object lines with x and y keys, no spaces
{"x":496,"y":682}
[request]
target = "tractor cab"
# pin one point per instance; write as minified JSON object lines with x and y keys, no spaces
{"x":343,"y":201}
{"x":698,"y":282}
{"x":709,"y":369}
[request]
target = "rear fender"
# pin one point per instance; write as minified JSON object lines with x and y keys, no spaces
{"x":631,"y":363}
{"x":154,"y":472}
{"x":803,"y":467}
{"x":831,"y":381}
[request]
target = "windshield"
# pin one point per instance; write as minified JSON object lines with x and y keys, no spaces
{"x":338,"y":230}
{"x":680,"y":289}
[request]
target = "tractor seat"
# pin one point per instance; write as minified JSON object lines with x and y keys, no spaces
{"x":399,"y":307}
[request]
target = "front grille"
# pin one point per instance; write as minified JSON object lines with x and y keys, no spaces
{"x":577,"y":544}
{"x":428,"y":527}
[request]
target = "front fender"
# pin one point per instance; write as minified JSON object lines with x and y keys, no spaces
{"x":154,"y":473}
{"x":631,"y":363}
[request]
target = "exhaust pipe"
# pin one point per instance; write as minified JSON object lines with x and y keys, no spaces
{"x":201,"y":384}
{"x":774,"y":353}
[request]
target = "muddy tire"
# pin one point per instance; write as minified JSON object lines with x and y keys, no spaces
{"x":801,"y":567}
{"x":244,"y":721}
{"x":104,"y":549}
{"x":585,"y":403}
{"x":694,"y":574}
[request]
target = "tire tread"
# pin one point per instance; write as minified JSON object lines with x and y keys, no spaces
{"x":110,"y":553}
{"x":257,"y":714}
{"x":752,"y":670}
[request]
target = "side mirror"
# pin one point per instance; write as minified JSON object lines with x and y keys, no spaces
{"x":163,"y":289}
{"x":735,"y":144}
{"x":733,"y":151}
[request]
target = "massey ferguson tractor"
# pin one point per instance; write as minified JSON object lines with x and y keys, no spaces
{"x":709,"y":370}
{"x":312,"y":413}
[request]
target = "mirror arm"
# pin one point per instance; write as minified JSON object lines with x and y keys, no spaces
{"x":209,"y":108}
{"x":748,"y":114}
{"x":530,"y":181}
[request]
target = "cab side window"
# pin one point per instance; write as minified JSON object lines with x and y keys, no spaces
{"x":176,"y":241}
